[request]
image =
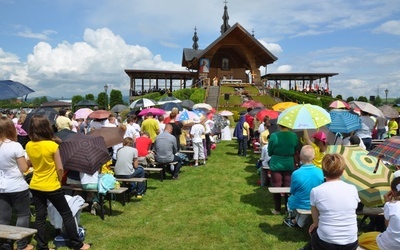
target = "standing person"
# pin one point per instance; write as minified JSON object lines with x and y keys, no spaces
{"x":393,"y":127}
{"x":75,"y":124}
{"x":319,"y":146}
{"x":14,"y":192}
{"x":176,"y":129}
{"x":226,"y":130}
{"x":365,"y":133}
{"x":380,"y":125}
{"x":282,"y":147}
{"x":127,"y":165}
{"x":242,"y":133}
{"x":150,"y":125}
{"x":333,"y":209}
{"x":390,"y":238}
{"x":44,"y":156}
{"x":198,"y":150}
{"x":63,"y":122}
{"x":264,"y":131}
{"x":250,"y":120}
{"x":307,"y":177}
{"x":22,"y":135}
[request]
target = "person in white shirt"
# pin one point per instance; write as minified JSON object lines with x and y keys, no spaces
{"x":198,"y":150}
{"x":132,"y":129}
{"x":333,"y":209}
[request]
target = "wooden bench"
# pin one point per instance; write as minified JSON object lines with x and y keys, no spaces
{"x":118,"y":191}
{"x":15,"y":233}
{"x":279,"y":190}
{"x":163,"y":166}
{"x":366,"y":212}
{"x":130,"y":180}
{"x":158,"y":170}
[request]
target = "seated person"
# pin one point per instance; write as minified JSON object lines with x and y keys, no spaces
{"x":165,"y":147}
{"x":127,"y":166}
{"x":91,"y":182}
{"x":353,"y":140}
{"x":390,"y":238}
{"x":143,"y":146}
{"x":303,"y":180}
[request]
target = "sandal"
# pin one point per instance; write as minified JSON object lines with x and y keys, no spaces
{"x":86,"y":246}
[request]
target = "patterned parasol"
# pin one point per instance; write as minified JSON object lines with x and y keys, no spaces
{"x":389,"y":149}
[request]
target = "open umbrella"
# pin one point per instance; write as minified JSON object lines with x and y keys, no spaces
{"x":366,"y":107}
{"x":252,"y":104}
{"x":187,"y":104}
{"x":283,"y":105}
{"x":142,"y":103}
{"x":389,"y":111}
{"x":170,"y":105}
{"x":255,"y":111}
{"x":65,"y":134}
{"x":202,"y":106}
{"x":10,"y":89}
{"x":339,"y":104}
{"x":186,"y":116}
{"x":86,"y":103}
{"x":272,"y":114}
{"x":389,"y":149}
{"x":168,"y":99}
{"x":118,"y":108}
{"x":83,"y":113}
{"x":99,"y":114}
{"x":50,"y":113}
{"x":111,"y":135}
{"x":304,"y":116}
{"x":84,"y":153}
{"x":343,"y":121}
{"x":360,"y":172}
{"x":155,"y":111}
{"x":226,"y":113}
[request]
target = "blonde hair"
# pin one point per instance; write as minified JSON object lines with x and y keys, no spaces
{"x":128,"y":141}
{"x":333,"y":165}
{"x":307,"y":154}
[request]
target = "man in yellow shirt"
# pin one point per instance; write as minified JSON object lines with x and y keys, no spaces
{"x":151,"y":126}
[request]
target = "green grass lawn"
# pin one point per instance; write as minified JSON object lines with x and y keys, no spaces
{"x":216,"y":206}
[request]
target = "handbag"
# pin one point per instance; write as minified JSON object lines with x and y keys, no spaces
{"x":106,"y":183}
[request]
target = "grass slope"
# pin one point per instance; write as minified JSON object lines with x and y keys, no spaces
{"x":216,"y":206}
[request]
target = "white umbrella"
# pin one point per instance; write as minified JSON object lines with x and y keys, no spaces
{"x":226,"y":113}
{"x":202,"y":106}
{"x":142,"y":103}
{"x":367,"y":107}
{"x":168,"y":99}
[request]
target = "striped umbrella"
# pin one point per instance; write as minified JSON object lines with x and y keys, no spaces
{"x":343,"y":121}
{"x":389,"y":149}
{"x":339,"y":104}
{"x":360,"y":172}
{"x":142,"y":103}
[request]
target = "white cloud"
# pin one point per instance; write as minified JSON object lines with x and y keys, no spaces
{"x":44,"y":35}
{"x":284,"y":69}
{"x":274,"y":48}
{"x":390,"y":27}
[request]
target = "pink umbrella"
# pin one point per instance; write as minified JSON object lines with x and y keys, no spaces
{"x":252,"y":104}
{"x":155,"y":111}
{"x":83,"y":113}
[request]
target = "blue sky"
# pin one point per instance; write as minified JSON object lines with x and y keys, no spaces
{"x":64,"y":48}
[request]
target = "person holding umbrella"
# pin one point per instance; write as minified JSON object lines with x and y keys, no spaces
{"x":365,"y":133}
{"x":319,"y":146}
{"x":44,"y":157}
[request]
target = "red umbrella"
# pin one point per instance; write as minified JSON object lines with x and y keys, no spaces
{"x":99,"y":114}
{"x":266,"y":112}
{"x":252,"y":104}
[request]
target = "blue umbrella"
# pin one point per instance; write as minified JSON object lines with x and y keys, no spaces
{"x":10,"y":89}
{"x":170,"y":105}
{"x":343,"y":122}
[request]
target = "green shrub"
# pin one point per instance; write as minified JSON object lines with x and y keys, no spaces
{"x":198,"y":95}
{"x":154,"y":96}
{"x":183,"y":94}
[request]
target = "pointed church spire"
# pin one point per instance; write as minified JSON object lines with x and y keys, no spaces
{"x":195,"y":39}
{"x":225,"y":25}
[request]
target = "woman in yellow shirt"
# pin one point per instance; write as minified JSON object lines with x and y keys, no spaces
{"x":44,"y":157}
{"x":393,"y":126}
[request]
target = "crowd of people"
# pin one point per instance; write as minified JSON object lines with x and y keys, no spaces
{"x":299,"y":163}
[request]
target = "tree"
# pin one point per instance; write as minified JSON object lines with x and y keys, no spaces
{"x":43,"y":99}
{"x":378,"y":101}
{"x":89,"y":97}
{"x":339,"y":97}
{"x":350,"y":99}
{"x":397,"y":101}
{"x":102,"y":100}
{"x":115,"y":97}
{"x":362,"y":99}
{"x":75,"y":100}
